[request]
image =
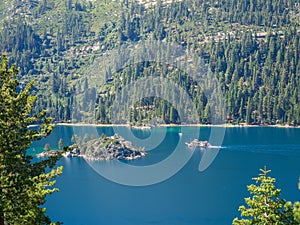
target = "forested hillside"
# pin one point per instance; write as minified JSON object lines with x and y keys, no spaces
{"x":251,"y":46}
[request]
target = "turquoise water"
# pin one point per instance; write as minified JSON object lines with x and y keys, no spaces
{"x":189,"y":197}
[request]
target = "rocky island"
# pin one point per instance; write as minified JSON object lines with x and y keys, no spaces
{"x":50,"y":153}
{"x":107,"y":148}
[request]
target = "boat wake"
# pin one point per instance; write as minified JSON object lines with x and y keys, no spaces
{"x":267,"y":149}
{"x":215,"y":146}
{"x":212,"y":147}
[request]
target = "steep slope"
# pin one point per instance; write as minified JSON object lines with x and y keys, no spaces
{"x":251,"y":46}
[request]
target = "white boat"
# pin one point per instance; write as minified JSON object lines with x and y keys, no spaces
{"x":32,"y":125}
{"x":198,"y":144}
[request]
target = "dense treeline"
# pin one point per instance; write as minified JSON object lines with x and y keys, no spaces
{"x":251,"y":46}
{"x":258,"y":69}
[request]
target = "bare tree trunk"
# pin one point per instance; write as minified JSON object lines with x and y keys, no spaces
{"x":1,"y":220}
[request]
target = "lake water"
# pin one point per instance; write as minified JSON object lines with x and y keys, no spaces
{"x":190,"y":197}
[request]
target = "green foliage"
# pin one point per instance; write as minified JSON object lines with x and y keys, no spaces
{"x":47,"y":147}
{"x":265,"y":205}
{"x":23,"y":184}
{"x":251,"y":46}
{"x":60,"y":144}
{"x":74,"y":138}
{"x":296,"y":209}
{"x":296,"y":212}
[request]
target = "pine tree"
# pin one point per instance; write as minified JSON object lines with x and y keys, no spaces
{"x":47,"y":147}
{"x":265,"y":205}
{"x":24,"y":184}
{"x":60,"y":144}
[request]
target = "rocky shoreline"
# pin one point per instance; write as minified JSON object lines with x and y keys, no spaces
{"x":50,"y":153}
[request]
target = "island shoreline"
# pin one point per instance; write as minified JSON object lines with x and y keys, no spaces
{"x":176,"y":125}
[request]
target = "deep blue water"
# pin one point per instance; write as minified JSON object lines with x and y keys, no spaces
{"x":189,"y":197}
